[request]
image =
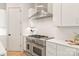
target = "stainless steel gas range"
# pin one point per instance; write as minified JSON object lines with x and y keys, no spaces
{"x":36,"y":45}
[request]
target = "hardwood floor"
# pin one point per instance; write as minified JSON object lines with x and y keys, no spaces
{"x":16,"y":53}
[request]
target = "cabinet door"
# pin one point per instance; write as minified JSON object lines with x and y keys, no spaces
{"x":70,"y":14}
{"x":65,"y":51}
{"x":50,"y":49}
{"x":14,"y":29}
{"x":50,"y":7}
{"x":57,"y":14}
{"x":77,"y":52}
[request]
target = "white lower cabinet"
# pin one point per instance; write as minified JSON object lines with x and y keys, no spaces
{"x":65,"y":51}
{"x":77,"y":52}
{"x":54,"y":49}
{"x":50,"y":49}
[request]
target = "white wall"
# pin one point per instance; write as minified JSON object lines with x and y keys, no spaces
{"x":3,"y":25}
{"x":3,"y":40}
{"x":66,"y":33}
{"x":44,"y":26}
{"x":14,"y":4}
{"x":25,"y":20}
{"x":2,"y":5}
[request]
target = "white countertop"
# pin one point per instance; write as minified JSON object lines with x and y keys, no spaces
{"x":63,"y":42}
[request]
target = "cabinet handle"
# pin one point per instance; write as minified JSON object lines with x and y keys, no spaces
{"x":74,"y":54}
{"x":77,"y":21}
{"x":77,"y":54}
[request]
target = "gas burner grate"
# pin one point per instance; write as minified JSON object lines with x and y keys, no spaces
{"x":38,"y":36}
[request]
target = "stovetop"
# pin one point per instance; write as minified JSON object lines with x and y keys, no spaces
{"x":38,"y":39}
{"x":38,"y":36}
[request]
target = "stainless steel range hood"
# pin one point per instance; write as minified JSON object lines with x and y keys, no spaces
{"x":41,"y":14}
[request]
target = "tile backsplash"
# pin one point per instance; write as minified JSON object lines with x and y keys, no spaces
{"x":66,"y":33}
{"x":44,"y":26}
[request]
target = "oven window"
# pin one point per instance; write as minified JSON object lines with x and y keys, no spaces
{"x":37,"y":51}
{"x":28,"y":46}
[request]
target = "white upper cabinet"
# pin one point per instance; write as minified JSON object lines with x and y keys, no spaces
{"x":70,"y":14}
{"x":66,"y":14}
{"x":50,"y":7}
{"x":57,"y":14}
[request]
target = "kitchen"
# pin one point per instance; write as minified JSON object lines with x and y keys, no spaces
{"x":41,"y":29}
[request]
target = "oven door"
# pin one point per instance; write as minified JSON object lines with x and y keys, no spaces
{"x":28,"y":47}
{"x":38,"y":50}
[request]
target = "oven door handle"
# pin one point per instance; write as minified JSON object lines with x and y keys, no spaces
{"x":39,"y":45}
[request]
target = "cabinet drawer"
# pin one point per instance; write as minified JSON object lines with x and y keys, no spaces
{"x":50,"y":43}
{"x":50,"y":46}
{"x":77,"y":52}
{"x":49,"y":53}
{"x":50,"y":49}
{"x":65,"y":51}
